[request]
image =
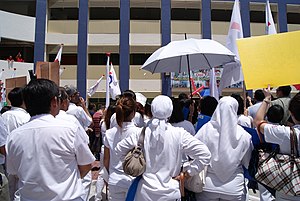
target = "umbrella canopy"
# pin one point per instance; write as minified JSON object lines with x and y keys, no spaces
{"x":191,"y":54}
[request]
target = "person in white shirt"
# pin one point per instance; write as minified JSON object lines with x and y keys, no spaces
{"x":163,"y":149}
{"x":64,"y":105}
{"x":14,"y":118}
{"x":259,"y":97}
{"x":80,"y":112}
{"x":231,"y":147}
{"x":17,"y":115}
{"x":49,"y":156}
{"x":243,"y":120}
{"x":4,"y":192}
{"x":279,"y":134}
{"x":118,"y":181}
{"x":177,"y":118}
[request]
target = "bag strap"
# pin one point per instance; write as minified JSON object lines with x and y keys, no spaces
{"x":141,"y":138}
{"x":294,"y":143}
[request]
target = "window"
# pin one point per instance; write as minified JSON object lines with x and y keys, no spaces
{"x":101,"y":59}
{"x":138,"y":59}
{"x":185,"y":14}
{"x":104,"y":13}
{"x":66,"y":59}
{"x":145,"y":13}
{"x":64,"y":14}
{"x":293,"y":18}
{"x":259,"y":16}
{"x":221,"y":15}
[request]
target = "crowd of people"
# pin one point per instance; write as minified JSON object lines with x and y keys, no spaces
{"x":50,"y":140}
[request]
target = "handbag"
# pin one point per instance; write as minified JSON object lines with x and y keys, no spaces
{"x":281,"y":171}
{"x":135,"y":163}
{"x":196,"y":183}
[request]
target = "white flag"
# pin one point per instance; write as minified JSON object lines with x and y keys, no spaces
{"x":93,"y":89}
{"x":114,"y":88}
{"x":213,"y":88}
{"x":58,"y":56}
{"x":232,"y":72}
{"x":270,"y":26}
{"x":107,"y":82}
{"x":1,"y":74}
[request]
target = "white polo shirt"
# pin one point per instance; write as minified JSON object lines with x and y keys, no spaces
{"x":62,"y":115}
{"x":84,"y":119}
{"x":15,"y":118}
{"x":45,"y":154}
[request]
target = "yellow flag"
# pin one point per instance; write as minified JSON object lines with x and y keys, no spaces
{"x":270,"y":59}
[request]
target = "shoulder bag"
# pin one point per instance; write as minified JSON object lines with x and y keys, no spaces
{"x":281,"y":171}
{"x":134,"y":163}
{"x":196,"y":182}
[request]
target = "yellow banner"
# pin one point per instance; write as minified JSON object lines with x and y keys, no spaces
{"x":270,"y":59}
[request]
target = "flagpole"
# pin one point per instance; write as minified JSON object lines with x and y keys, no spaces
{"x":107,"y":81}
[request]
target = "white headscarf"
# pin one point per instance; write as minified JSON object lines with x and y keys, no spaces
{"x":161,"y":108}
{"x":227,"y":141}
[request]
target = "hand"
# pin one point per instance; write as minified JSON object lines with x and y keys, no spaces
{"x":267,"y":93}
{"x":81,"y":102}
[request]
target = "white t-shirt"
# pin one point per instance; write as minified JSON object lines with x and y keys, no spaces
{"x":84,"y":119}
{"x":15,"y":117}
{"x":45,"y":154}
{"x":281,"y":135}
{"x":113,"y":136}
{"x":245,"y":121}
{"x":187,"y":125}
{"x":252,"y":110}
{"x":3,"y":138}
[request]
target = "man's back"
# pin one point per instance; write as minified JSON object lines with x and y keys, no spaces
{"x":45,"y":154}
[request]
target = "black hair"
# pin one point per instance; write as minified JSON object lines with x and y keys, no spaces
{"x":285,"y":90}
{"x":183,"y":96}
{"x":38,"y":95}
{"x":5,"y":109}
{"x":129,"y":93}
{"x":241,"y":103}
{"x":63,"y":94}
{"x":294,"y":106}
{"x":177,"y":113}
{"x":15,"y":96}
{"x":275,"y":114}
{"x":208,"y":105}
{"x":259,"y":95}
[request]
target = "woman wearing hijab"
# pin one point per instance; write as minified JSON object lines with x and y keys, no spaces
{"x":230,"y":146}
{"x":118,"y":181}
{"x":163,"y":149}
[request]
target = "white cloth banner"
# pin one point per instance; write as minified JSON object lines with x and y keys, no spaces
{"x":114,"y":88}
{"x":232,"y":72}
{"x":270,"y":26}
{"x":93,"y":88}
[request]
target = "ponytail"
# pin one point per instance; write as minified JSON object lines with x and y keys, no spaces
{"x":119,"y":114}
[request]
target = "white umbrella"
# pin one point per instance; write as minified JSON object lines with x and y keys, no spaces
{"x":195,"y":54}
{"x":185,"y":55}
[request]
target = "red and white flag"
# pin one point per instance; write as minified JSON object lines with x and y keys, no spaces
{"x":114,"y":88}
{"x":232,"y":72}
{"x":58,"y":56}
{"x":93,"y":88}
{"x":270,"y":26}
